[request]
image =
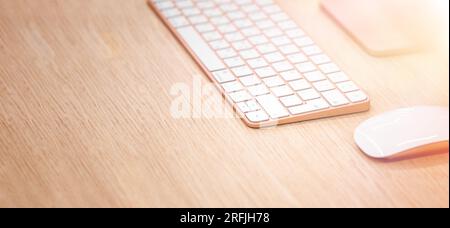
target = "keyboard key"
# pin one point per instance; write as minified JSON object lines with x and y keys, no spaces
{"x":242,"y":71}
{"x":279,"y":17}
{"x":219,"y":20}
{"x":291,"y":75}
{"x":199,"y":19}
{"x":247,"y":7}
{"x":303,"y":41}
{"x":282,"y":91}
{"x":180,"y":4}
{"x":310,"y":106}
{"x":264,"y":24}
{"x":212,"y":13}
{"x":202,"y":28}
{"x":282,"y":66}
{"x":312,"y":50}
{"x":329,"y":68}
{"x":297,"y":58}
{"x":288,"y":24}
{"x":250,"y":8}
{"x":258,"y":90}
{"x":338,"y":77}
{"x":248,"y":106}
{"x":177,"y":22}
{"x":273,"y":106}
{"x":249,"y":54}
{"x":347,"y":86}
{"x":253,"y":105}
{"x":252,"y":31}
{"x":241,"y":45}
{"x":314,"y":76}
{"x":171,"y":13}
{"x":162,"y":5}
{"x":257,"y":16}
{"x":291,"y":101}
{"x":234,"y":62}
{"x":318,"y":104}
{"x":309,"y":94}
{"x":265,"y":72}
{"x":226,"y":28}
{"x":232,"y":86}
{"x":235,"y":15}
{"x":259,"y":39}
{"x":229,"y":7}
{"x":223,"y":76}
{"x":240,"y":96}
{"x":281,"y":40}
{"x":273,"y":81}
{"x":185,"y":4}
{"x":201,"y":49}
{"x":257,"y":116}
{"x":300,"y":85}
{"x":305,"y":67}
{"x":294,"y":33}
{"x":250,"y":80}
{"x":357,"y":96}
{"x":233,"y":37}
{"x":246,"y":4}
{"x":274,"y":57}
{"x":335,"y":98}
{"x":289,"y":49}
{"x":243,"y":23}
{"x":272,"y":32}
{"x":270,"y":9}
{"x":324,"y":85}
{"x":320,"y":59}
{"x":205,"y":4}
{"x":211,"y":36}
{"x":263,"y":2}
{"x":226,"y":53}
{"x":257,"y":63}
{"x":219,"y":44}
{"x":266,"y":48}
{"x":243,"y":107}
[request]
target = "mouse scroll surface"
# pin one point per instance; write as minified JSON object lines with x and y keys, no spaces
{"x":399,"y":131}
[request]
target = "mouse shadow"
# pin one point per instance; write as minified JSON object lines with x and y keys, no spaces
{"x":429,"y":159}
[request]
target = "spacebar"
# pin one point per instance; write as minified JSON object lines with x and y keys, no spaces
{"x":201,"y":49}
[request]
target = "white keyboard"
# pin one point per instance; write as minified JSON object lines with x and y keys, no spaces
{"x":265,"y":65}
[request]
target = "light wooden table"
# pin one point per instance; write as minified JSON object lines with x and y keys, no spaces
{"x":85,"y":120}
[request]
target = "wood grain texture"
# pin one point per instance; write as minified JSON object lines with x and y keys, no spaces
{"x":85,"y":120}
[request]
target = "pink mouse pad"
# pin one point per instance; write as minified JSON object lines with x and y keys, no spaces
{"x":381,"y":27}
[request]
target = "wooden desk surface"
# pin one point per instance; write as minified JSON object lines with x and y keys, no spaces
{"x":85,"y":121}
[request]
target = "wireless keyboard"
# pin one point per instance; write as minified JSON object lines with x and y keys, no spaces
{"x":264,"y":64}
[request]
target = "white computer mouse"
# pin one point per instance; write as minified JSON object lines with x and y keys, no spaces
{"x":417,"y":130}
